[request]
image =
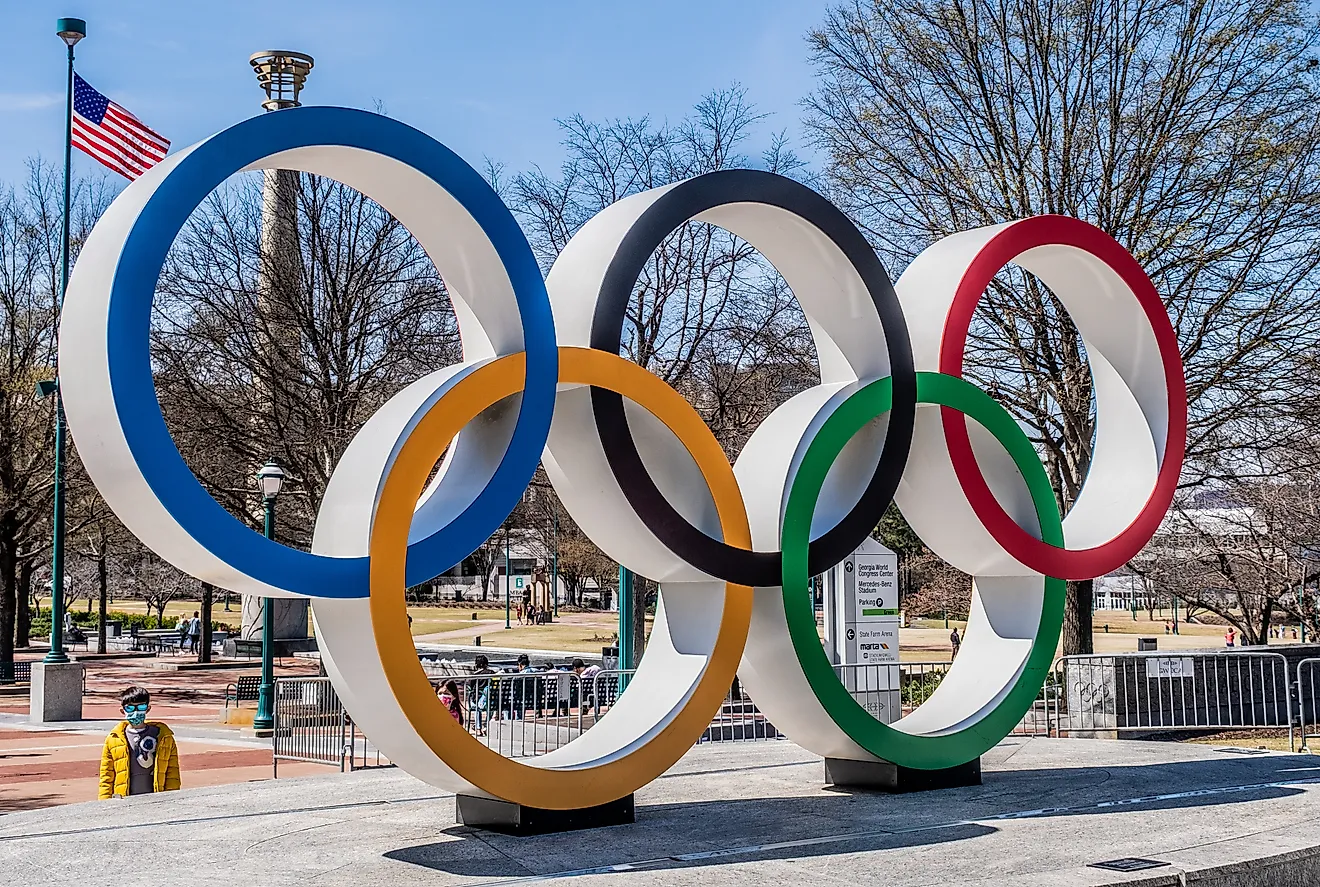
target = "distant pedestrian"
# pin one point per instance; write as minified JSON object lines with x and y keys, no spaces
{"x":1294,"y":631}
{"x":520,"y":613}
{"x":955,"y":642}
{"x":1167,"y":629}
{"x":182,"y":627}
{"x":139,"y":756}
{"x":195,"y":632}
{"x":1230,"y":638}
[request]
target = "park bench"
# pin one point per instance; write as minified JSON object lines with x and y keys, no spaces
{"x":245,"y":689}
{"x":21,"y":673}
{"x":156,"y":640}
{"x":247,"y":647}
{"x":15,"y":672}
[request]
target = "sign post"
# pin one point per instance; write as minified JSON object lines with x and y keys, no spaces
{"x":862,"y":619}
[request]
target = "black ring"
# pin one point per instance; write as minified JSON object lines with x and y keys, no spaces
{"x":680,"y":204}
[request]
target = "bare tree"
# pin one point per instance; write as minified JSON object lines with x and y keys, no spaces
{"x":1233,"y":560}
{"x":30,"y":226}
{"x":363,"y":314}
{"x":1186,"y":130}
{"x":156,"y":582}
{"x":708,"y":314}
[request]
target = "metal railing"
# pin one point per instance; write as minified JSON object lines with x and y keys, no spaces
{"x":739,"y":720}
{"x":892,"y":690}
{"x":312,"y":726}
{"x":1134,"y":693}
{"x":1308,"y":702}
{"x":518,"y":714}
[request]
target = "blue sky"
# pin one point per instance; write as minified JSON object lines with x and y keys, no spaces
{"x":488,"y":79}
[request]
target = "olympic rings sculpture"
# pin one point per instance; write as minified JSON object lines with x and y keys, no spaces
{"x":733,"y":547}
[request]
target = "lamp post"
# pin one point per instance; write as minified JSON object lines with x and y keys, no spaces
{"x":70,"y":30}
{"x":554,"y":566}
{"x":627,"y":643}
{"x":271,"y":478}
{"x":507,"y":623}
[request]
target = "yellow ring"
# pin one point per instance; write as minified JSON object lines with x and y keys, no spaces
{"x":488,"y":770}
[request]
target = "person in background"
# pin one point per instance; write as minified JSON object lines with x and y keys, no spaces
{"x":182,"y":628}
{"x":586,"y":681}
{"x":522,"y":688}
{"x":139,"y":756}
{"x":195,"y":632}
{"x":479,"y":704}
{"x":449,"y":697}
{"x":1230,"y":637}
{"x":955,"y":642}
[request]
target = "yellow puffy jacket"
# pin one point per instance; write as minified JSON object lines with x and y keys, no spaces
{"x":114,"y":762}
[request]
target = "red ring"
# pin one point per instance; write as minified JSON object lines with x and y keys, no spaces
{"x":1050,"y":560}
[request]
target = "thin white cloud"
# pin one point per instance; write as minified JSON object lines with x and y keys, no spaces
{"x":28,"y":101}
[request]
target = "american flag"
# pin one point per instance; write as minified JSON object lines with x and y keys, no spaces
{"x":112,"y":135}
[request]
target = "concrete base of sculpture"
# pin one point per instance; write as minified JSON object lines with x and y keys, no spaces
{"x":886,"y":777}
{"x":56,"y":693}
{"x":234,"y":649}
{"x":290,"y":617}
{"x":515,"y":819}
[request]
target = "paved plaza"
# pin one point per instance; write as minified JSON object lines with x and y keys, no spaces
{"x":728,"y":814}
{"x":40,"y":767}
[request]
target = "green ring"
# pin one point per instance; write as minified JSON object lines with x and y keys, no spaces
{"x":935,"y":751}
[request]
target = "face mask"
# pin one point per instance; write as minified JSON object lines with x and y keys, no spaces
{"x":135,"y":714}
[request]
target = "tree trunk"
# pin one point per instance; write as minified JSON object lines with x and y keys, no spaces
{"x":640,"y":587}
{"x":1259,"y":633}
{"x":8,"y":599}
{"x":1077,"y":618}
{"x":103,"y":596}
{"x":23,"y":625}
{"x":208,"y":596}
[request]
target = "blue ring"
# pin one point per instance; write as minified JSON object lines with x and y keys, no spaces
{"x":134,"y":391}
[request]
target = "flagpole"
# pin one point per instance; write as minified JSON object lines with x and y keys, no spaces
{"x":70,"y":30}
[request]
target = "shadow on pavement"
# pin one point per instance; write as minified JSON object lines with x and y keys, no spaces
{"x":701,"y":833}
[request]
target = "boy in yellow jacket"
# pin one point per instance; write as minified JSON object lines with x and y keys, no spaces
{"x":140,"y":756}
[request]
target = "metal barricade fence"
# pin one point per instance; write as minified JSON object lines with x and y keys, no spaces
{"x":739,"y":720}
{"x":523,"y":714}
{"x":889,"y":691}
{"x":1308,"y":704}
{"x":1104,"y":696}
{"x":312,"y":726}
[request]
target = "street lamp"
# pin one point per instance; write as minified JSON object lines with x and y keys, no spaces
{"x":271,"y":479}
{"x":554,"y":565}
{"x":70,"y":30}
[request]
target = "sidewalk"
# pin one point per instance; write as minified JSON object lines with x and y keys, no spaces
{"x":41,"y":766}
